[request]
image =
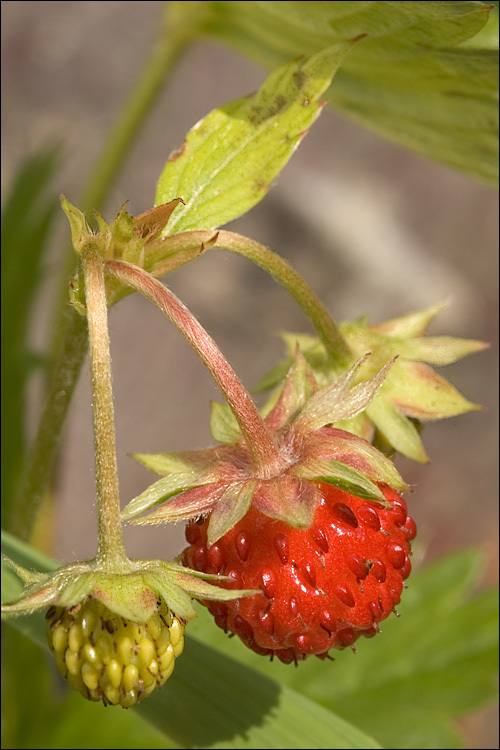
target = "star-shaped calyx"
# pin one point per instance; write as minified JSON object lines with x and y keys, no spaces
{"x":413,"y":392}
{"x":133,"y":592}
{"x":224,"y":481}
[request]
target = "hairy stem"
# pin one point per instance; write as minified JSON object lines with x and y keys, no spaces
{"x":281,"y":271}
{"x":111,"y":549}
{"x":265,"y":455}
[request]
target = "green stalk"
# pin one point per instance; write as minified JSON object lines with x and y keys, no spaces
{"x":281,"y":271}
{"x":111,"y":549}
{"x":267,"y":458}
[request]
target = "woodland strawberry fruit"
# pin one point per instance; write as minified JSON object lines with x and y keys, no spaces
{"x":322,"y":587}
{"x":109,"y":658}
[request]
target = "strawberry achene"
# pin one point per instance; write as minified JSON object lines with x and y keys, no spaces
{"x":322,"y":587}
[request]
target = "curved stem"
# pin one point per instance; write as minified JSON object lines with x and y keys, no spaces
{"x":265,"y":454}
{"x":111,"y":549}
{"x":321,"y":320}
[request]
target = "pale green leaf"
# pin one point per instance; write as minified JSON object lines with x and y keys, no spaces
{"x":412,"y":79}
{"x":213,"y":701}
{"x":27,"y":220}
{"x":437,"y":661}
{"x":229,"y":159}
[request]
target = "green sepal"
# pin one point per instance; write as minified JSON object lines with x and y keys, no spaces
{"x":176,"y":599}
{"x":198,"y":462}
{"x":198,"y":584}
{"x":338,"y":401}
{"x":287,"y":498}
{"x":28,"y":577}
{"x":396,"y":428}
{"x":80,"y":232}
{"x":344,"y":477}
{"x":132,"y":593}
{"x":419,"y":392}
{"x":230,"y":508}
{"x":412,"y":325}
{"x":127,"y":595}
{"x":162,"y":490}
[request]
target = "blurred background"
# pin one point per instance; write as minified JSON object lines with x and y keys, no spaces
{"x":374,"y":229}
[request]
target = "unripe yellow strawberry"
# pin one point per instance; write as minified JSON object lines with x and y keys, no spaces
{"x":107,"y":657}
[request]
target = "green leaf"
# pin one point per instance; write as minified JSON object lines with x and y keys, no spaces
{"x":229,"y":158}
{"x":216,"y":702}
{"x":437,"y":661}
{"x":213,"y":701}
{"x":27,"y":217}
{"x":412,"y":79}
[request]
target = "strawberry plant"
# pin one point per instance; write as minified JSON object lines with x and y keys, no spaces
{"x":295,"y":530}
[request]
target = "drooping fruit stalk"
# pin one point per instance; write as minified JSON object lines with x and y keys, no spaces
{"x":267,"y":459}
{"x":276,"y":266}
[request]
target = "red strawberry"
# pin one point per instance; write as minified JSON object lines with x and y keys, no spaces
{"x":322,"y":587}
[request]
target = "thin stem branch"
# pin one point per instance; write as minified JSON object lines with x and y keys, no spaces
{"x":314,"y":309}
{"x":111,"y":549}
{"x":265,"y":454}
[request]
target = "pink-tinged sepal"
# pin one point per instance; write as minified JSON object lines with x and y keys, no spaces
{"x":299,"y":386}
{"x":230,"y":508}
{"x":134,"y":593}
{"x":310,"y":452}
{"x":194,"y":502}
{"x":420,"y":393}
{"x":339,"y":401}
{"x":288,"y":498}
{"x":333,"y":444}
